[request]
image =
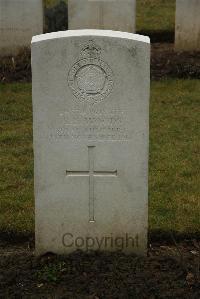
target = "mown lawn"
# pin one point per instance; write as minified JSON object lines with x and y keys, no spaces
{"x":174,"y":188}
{"x":155,"y":15}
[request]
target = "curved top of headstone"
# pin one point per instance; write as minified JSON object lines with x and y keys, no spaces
{"x":90,"y":32}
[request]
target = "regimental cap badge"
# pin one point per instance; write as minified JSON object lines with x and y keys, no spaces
{"x":90,"y":78}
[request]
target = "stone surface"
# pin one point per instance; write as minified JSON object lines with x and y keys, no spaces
{"x":102,"y":14}
{"x":187,"y":35}
{"x":91,"y":122}
{"x":19,"y":21}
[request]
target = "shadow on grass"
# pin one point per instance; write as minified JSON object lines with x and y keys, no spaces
{"x":161,"y":36}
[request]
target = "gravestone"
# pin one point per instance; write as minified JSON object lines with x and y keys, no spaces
{"x":19,"y":21}
{"x":187,"y":36}
{"x":91,"y":120}
{"x":116,"y":15}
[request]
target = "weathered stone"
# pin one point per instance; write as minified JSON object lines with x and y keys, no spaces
{"x":102,"y":14}
{"x":91,"y":122}
{"x":20,"y":20}
{"x":187,"y":35}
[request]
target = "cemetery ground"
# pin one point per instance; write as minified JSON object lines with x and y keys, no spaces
{"x":156,"y":18}
{"x":151,"y":14}
{"x":172,"y":268}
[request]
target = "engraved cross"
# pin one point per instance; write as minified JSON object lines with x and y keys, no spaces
{"x":91,"y":173}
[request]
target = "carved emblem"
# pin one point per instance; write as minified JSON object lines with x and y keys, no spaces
{"x":90,"y":78}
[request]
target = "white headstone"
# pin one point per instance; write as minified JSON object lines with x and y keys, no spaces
{"x":187,"y":35}
{"x":102,"y":14}
{"x":91,"y":122}
{"x":19,"y":21}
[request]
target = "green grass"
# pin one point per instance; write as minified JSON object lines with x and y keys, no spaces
{"x":51,"y":3}
{"x":174,"y":156}
{"x":16,"y":158}
{"x":155,"y":15}
{"x":174,"y":165}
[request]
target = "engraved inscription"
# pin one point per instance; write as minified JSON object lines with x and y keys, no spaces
{"x":92,"y":124}
{"x":90,"y":78}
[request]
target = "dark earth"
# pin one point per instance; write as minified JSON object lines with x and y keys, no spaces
{"x":169,"y":271}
